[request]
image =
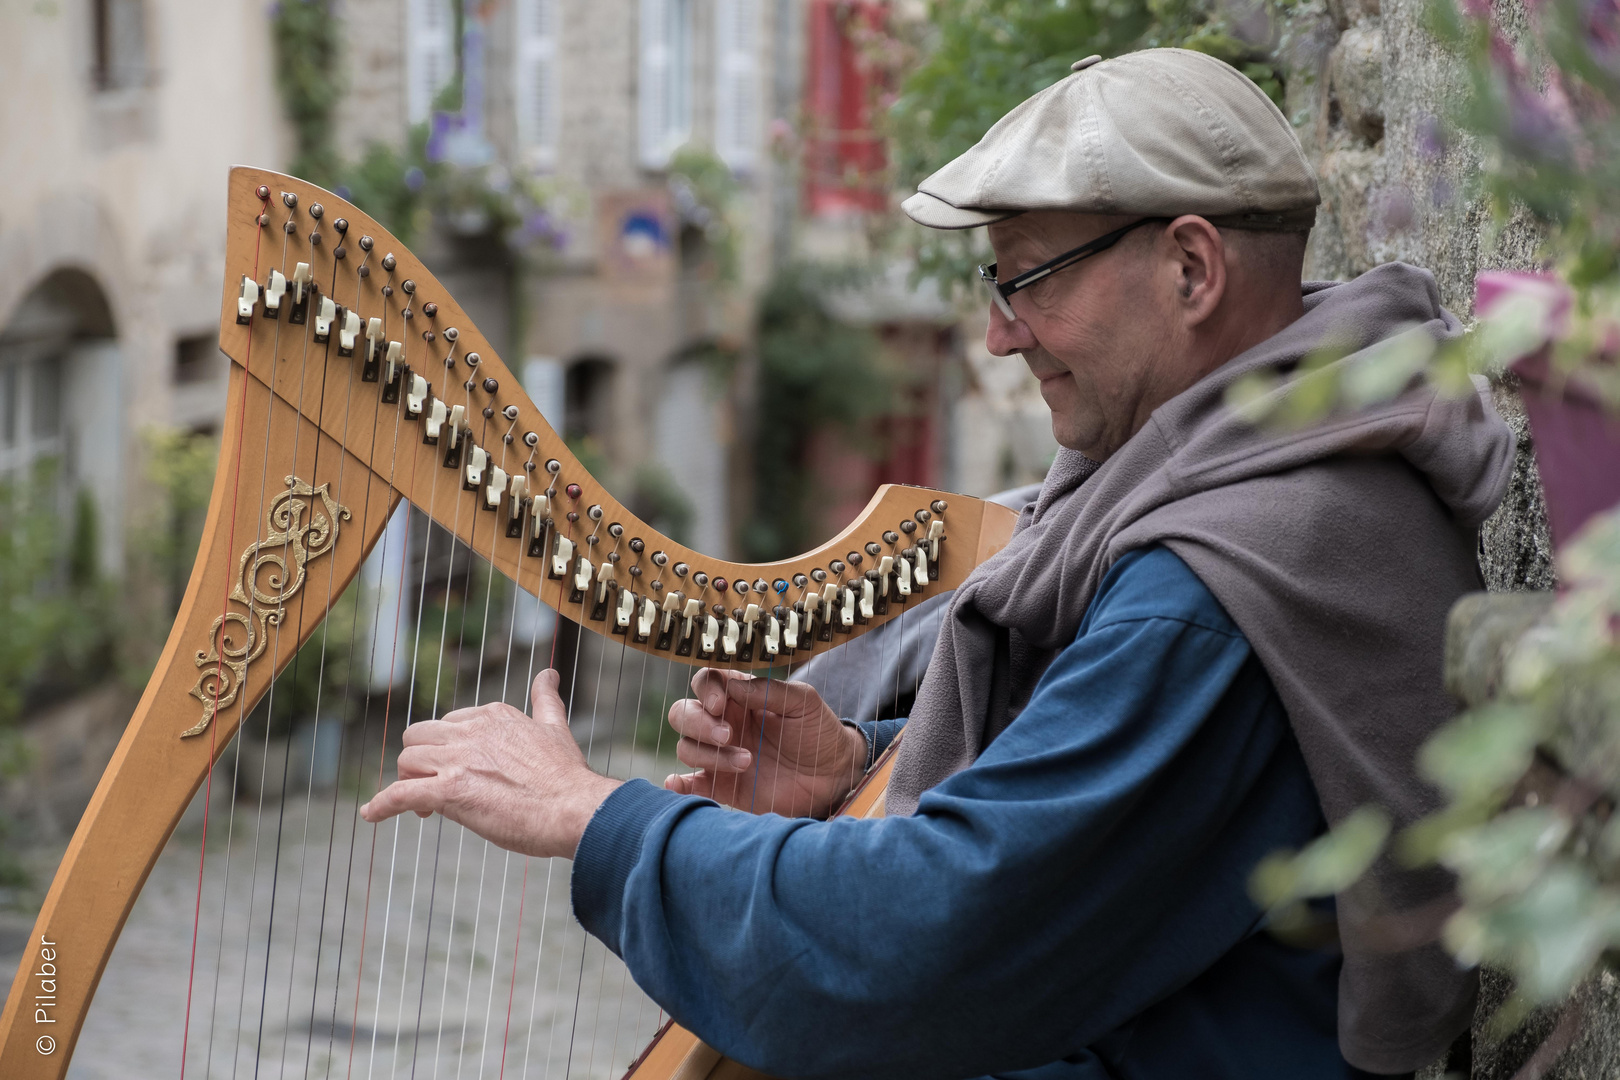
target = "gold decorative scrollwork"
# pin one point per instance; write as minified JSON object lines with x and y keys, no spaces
{"x":301,"y":525}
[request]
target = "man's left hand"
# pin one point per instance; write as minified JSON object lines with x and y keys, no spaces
{"x":519,"y":782}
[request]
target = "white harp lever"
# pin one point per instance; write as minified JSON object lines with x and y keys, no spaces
{"x":497,"y":485}
{"x":274,"y":290}
{"x":325,"y":312}
{"x":414,"y":395}
{"x":245,"y":299}
{"x":300,"y":282}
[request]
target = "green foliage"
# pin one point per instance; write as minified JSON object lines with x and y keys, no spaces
{"x":822,"y":372}
{"x":55,"y":627}
{"x":1542,"y":107}
{"x":162,"y":543}
{"x":309,"y":76}
{"x":705,"y":196}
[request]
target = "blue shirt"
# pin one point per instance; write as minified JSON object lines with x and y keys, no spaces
{"x":1074,"y":906}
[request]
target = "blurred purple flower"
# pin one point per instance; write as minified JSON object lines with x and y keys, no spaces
{"x":414,"y":179}
{"x":342,"y":191}
{"x":1431,"y":139}
{"x":1442,"y":192}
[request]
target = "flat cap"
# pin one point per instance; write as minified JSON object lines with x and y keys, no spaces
{"x":1159,"y":133}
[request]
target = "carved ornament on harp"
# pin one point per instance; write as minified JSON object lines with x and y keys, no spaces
{"x":301,"y":525}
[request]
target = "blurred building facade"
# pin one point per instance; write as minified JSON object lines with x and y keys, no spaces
{"x":115,"y":131}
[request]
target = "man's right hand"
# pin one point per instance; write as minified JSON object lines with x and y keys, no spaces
{"x":764,"y":746}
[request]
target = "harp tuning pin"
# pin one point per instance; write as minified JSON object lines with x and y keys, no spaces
{"x":836,"y":566}
{"x":720,"y":584}
{"x":450,"y":332}
{"x":510,"y":412}
{"x":342,"y":226}
{"x":490,"y":385}
{"x":289,"y":200}
{"x":290,"y":227}
{"x":473,"y":359}
{"x":263,"y":193}
{"x":264,"y":219}
{"x":367,"y":243}
{"x":680,"y":568}
{"x":700,"y":579}
{"x":364,"y":271}
{"x":635,"y":571}
{"x":489,"y":412}
{"x":874,"y":549}
{"x":855,"y":558}
{"x":908,"y":526}
{"x":595,"y":512}
{"x":317,"y":211}
{"x":531,"y":440}
{"x":613,"y":556}
{"x":891,"y":538}
{"x":409,"y":286}
{"x":799,"y":580}
{"x":761,"y":585}
{"x":660,"y":559}
{"x":339,"y":252}
{"x":430,"y":309}
{"x":572,"y":491}
{"x":923,"y":517}
{"x":314,"y":239}
{"x":615,"y":530}
{"x":938,"y":506}
{"x":389,"y":262}
{"x":553,"y":466}
{"x":818,"y":575}
{"x":388,"y":290}
{"x":637,"y":545}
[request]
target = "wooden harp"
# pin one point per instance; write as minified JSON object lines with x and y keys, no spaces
{"x":357,"y":382}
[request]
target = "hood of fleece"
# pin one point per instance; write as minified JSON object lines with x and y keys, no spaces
{"x":1459,"y":444}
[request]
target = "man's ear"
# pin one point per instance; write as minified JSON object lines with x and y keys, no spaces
{"x":1200,"y":266}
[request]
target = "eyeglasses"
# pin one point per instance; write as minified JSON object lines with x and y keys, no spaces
{"x":1001,"y":292}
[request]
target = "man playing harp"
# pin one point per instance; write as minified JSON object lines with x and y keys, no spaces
{"x":1207,"y":640}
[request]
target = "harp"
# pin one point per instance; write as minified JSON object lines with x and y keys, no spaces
{"x":356,"y":383}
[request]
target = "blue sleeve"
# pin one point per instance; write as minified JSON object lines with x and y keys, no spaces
{"x":1092,"y":861}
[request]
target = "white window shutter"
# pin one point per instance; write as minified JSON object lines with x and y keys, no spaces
{"x":736,"y":82}
{"x":653,"y":90}
{"x":537,"y":82}
{"x":430,"y":46}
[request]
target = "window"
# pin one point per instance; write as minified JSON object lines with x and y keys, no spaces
{"x":536,"y":59}
{"x":430,"y":42}
{"x":119,"y":61}
{"x":736,"y":82}
{"x":198,"y":359}
{"x":665,"y":93}
{"x":30,"y":413}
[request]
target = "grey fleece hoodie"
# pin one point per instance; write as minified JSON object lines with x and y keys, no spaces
{"x":1337,"y":549}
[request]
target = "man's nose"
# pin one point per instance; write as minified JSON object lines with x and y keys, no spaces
{"x":1004,"y":336}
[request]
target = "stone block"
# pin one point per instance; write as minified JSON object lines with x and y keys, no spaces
{"x":1356,"y":74}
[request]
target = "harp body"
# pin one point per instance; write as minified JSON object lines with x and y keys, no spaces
{"x":327,"y":428}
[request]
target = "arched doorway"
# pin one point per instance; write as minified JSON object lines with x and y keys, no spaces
{"x":60,"y":400}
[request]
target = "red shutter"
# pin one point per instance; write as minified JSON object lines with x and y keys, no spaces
{"x":844,"y":156}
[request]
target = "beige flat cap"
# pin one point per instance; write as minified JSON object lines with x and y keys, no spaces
{"x":1159,"y":133}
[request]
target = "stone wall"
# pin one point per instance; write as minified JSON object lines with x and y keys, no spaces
{"x":1367,"y":89}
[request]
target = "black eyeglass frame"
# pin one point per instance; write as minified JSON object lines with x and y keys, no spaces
{"x":1001,"y":292}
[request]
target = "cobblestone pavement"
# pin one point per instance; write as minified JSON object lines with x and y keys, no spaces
{"x":443,"y":957}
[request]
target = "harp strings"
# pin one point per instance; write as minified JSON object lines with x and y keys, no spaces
{"x":405,"y":956}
